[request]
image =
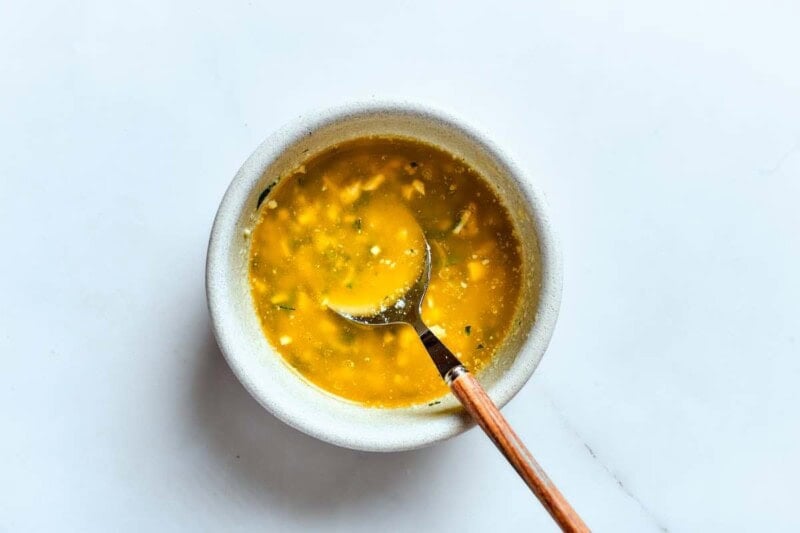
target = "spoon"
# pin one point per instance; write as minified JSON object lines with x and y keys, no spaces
{"x":407,"y":310}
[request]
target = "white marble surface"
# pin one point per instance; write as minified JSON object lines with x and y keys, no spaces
{"x":667,"y":137}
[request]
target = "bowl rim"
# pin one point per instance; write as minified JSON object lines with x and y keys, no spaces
{"x":223,"y":234}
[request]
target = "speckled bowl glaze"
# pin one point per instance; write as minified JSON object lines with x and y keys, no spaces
{"x":262,"y":370}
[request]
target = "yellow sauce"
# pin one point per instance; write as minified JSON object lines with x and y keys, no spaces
{"x":346,"y":229}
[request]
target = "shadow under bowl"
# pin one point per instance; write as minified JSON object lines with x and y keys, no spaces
{"x":262,"y":370}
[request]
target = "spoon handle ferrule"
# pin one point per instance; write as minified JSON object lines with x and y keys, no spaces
{"x":454,"y":373}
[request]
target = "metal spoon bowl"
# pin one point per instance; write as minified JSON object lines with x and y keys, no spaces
{"x":408,"y":310}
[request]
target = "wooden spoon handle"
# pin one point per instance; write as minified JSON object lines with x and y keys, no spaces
{"x":478,"y":404}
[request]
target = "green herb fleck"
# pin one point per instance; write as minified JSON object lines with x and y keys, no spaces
{"x":357,"y":225}
{"x":285,"y":307}
{"x":265,"y":192}
{"x":452,"y":259}
{"x":480,"y":346}
{"x":435,"y":402}
{"x":347,"y":336}
{"x":298,"y":363}
{"x":468,"y":329}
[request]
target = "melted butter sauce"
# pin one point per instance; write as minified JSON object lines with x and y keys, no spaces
{"x":346,"y":228}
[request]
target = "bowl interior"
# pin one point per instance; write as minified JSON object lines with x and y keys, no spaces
{"x":262,"y":370}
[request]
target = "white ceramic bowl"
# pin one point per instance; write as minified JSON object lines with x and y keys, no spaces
{"x":262,"y":370}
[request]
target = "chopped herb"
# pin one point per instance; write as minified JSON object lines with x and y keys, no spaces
{"x":296,"y":243}
{"x":480,"y":346}
{"x":298,"y":363}
{"x":349,"y":285}
{"x":468,"y":330}
{"x":435,"y":402}
{"x":265,"y":192}
{"x":285,"y":307}
{"x":413,"y":164}
{"x":347,"y":336}
{"x":451,"y":260}
{"x":357,"y":224}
